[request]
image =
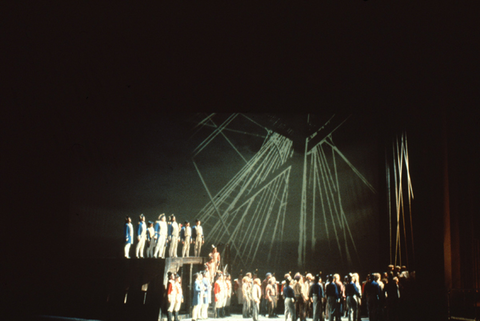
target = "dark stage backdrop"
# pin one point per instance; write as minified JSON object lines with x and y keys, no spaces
{"x":254,"y":168}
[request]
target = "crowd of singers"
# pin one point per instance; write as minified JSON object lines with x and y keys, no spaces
{"x":380,"y":296}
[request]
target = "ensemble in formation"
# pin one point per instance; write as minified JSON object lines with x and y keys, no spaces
{"x":155,"y":237}
{"x":383,"y":296}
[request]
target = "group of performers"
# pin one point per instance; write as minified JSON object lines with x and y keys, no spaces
{"x":175,"y":296}
{"x":303,"y":295}
{"x":156,"y":237}
{"x":220,"y":281}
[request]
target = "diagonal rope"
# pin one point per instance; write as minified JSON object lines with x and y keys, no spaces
{"x":228,"y":140}
{"x":214,"y":134}
{"x":344,"y":217}
{"x":240,"y":177}
{"x":285,"y":190}
{"x":313,"y":184}
{"x":387,"y":168}
{"x":364,"y":180}
{"x":317,"y":175}
{"x":396,"y":200}
{"x":269,"y":212}
{"x":323,"y":173}
{"x":268,"y":130}
{"x":303,"y":209}
{"x":210,"y":195}
{"x":232,"y":130}
{"x":201,"y":124}
{"x":410,"y":195}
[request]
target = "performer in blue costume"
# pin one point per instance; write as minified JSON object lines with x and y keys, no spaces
{"x":173,"y":236}
{"x":142,"y":236}
{"x":128,"y":235}
{"x":197,"y":300}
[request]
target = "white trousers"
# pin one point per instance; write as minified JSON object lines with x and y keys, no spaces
{"x":204,"y":311}
{"x":151,"y":248}
{"x":171,"y":305}
{"x":290,"y":312}
{"x":186,"y":247}
{"x":140,"y":247}
{"x":127,"y":250}
{"x":160,"y":247}
{"x":198,"y":246}
{"x":178,"y":303}
{"x":196,"y":312}
{"x":173,"y":246}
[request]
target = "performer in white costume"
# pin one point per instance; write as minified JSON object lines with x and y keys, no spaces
{"x":161,"y":233}
{"x":186,"y":237}
{"x":215,"y":255}
{"x":247,"y":296}
{"x":150,"y":239}
{"x":141,"y":236}
{"x":179,"y":298}
{"x":228,"y":301}
{"x":256,"y":296}
{"x":173,"y":236}
{"x":128,"y":235}
{"x":207,"y":299}
{"x":171,"y":295}
{"x":197,"y":236}
{"x":197,"y":300}
{"x":219,"y":291}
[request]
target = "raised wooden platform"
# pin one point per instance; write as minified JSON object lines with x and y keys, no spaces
{"x":174,"y":264}
{"x":109,"y":289}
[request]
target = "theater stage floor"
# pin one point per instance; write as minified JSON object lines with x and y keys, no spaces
{"x":233,"y":317}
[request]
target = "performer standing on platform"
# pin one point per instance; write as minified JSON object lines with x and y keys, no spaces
{"x":186,"y":237}
{"x":179,"y":298}
{"x":173,"y":236}
{"x":197,"y":236}
{"x":215,"y":255}
{"x":172,"y":295}
{"x":142,"y":236}
{"x":210,"y":268}
{"x":160,"y":236}
{"x":128,"y":234}
{"x":197,"y":300}
{"x":150,"y":239}
{"x":256,"y":295}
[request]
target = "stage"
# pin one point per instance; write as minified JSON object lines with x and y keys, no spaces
{"x":233,"y":317}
